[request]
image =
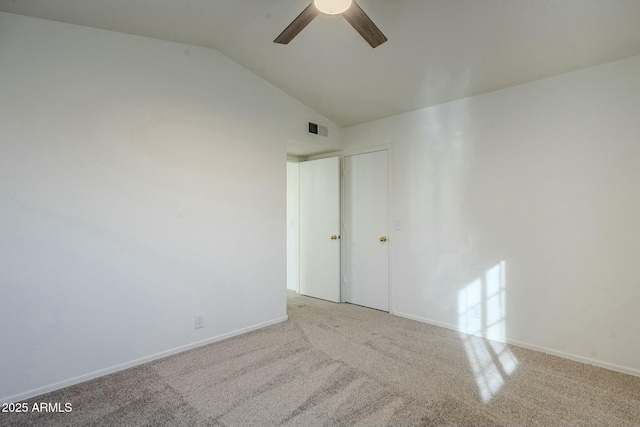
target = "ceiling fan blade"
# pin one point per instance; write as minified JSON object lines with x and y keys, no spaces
{"x":297,"y":25}
{"x":364,"y":25}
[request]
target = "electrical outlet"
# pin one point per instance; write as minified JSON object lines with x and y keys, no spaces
{"x":475,"y":312}
{"x":199,"y":321}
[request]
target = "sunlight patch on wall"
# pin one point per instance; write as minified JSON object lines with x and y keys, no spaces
{"x":482,"y":313}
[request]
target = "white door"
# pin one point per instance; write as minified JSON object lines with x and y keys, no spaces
{"x":366,"y":227}
{"x":320,"y":228}
{"x":293,"y":226}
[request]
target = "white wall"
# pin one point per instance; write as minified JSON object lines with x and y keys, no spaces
{"x":141,"y":183}
{"x":520,"y":213}
{"x":293,"y":226}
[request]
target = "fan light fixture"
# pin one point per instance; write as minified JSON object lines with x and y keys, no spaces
{"x":332,"y":7}
{"x":349,"y":10}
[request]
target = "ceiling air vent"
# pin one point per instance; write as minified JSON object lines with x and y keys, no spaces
{"x":317,"y":129}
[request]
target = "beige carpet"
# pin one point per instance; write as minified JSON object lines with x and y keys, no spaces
{"x":339,"y":364}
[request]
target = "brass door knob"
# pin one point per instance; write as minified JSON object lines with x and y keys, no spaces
{"x":383,"y":239}
{"x":335,"y":237}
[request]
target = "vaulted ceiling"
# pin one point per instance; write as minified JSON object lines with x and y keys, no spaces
{"x":438,"y":50}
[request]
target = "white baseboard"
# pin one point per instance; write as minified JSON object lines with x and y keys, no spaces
{"x":122,"y":366}
{"x":564,"y":355}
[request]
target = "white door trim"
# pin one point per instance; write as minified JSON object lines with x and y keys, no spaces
{"x":355,"y":152}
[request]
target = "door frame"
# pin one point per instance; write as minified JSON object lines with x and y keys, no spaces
{"x":355,"y":152}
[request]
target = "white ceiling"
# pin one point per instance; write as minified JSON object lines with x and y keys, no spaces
{"x":438,"y":50}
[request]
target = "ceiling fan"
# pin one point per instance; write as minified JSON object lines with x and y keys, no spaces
{"x":349,"y":9}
